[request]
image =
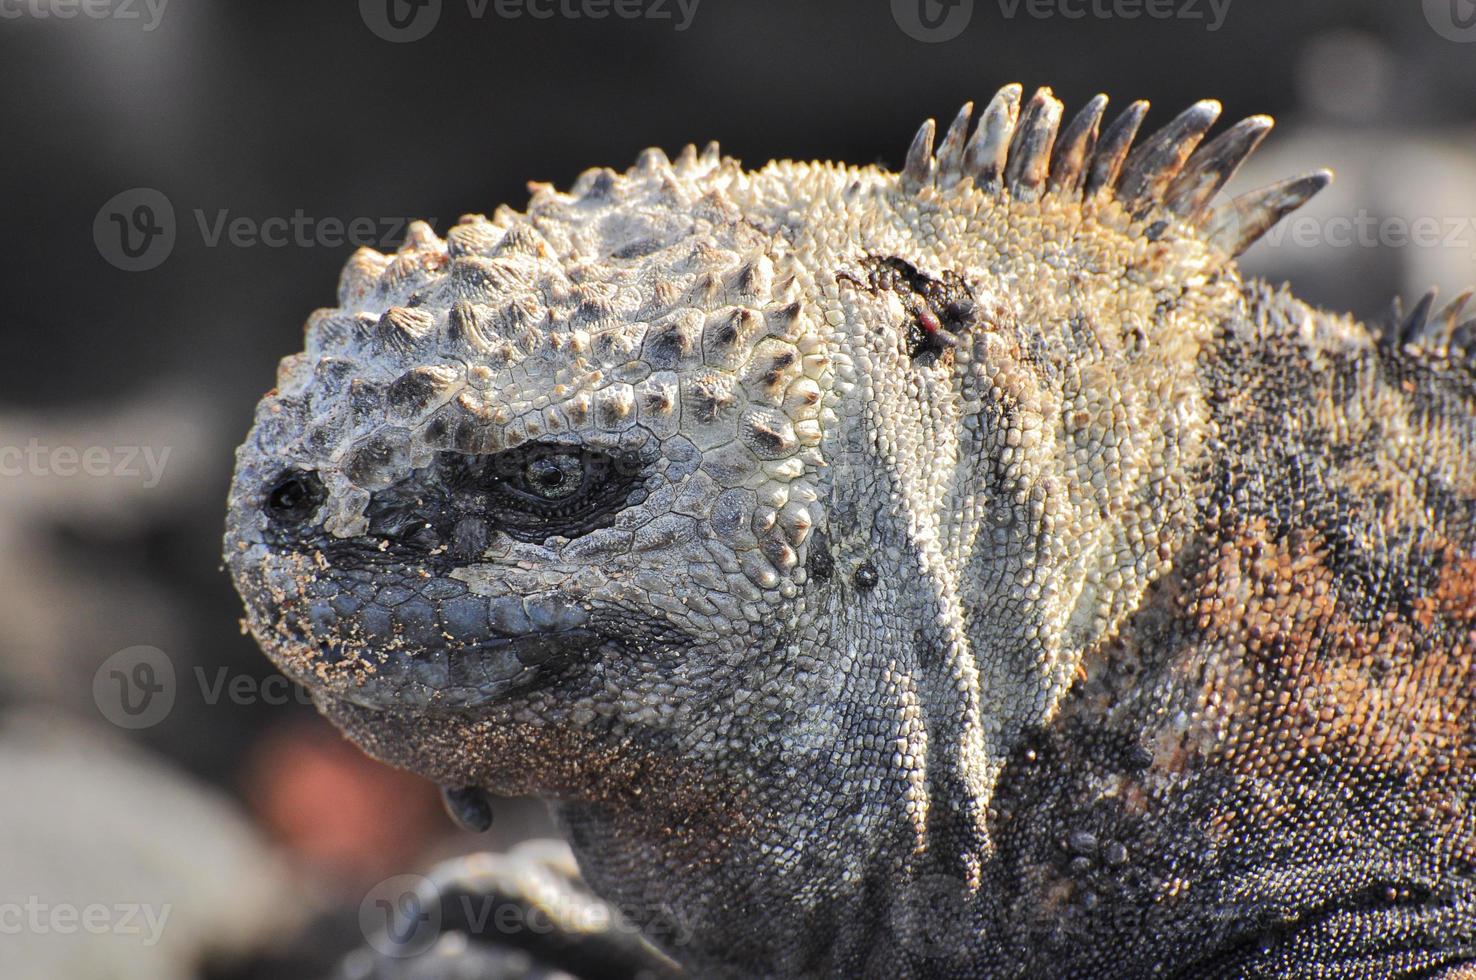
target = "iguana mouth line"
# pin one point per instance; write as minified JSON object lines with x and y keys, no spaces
{"x":449,"y":678}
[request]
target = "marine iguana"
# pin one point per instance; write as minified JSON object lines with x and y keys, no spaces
{"x":957,"y":572}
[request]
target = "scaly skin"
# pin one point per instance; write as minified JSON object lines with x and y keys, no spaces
{"x":959,"y":572}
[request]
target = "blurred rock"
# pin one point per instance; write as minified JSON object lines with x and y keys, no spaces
{"x":82,"y":492}
{"x":116,"y":868}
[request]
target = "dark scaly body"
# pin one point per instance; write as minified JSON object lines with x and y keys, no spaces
{"x":1268,"y":771}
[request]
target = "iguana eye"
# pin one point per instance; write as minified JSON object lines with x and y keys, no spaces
{"x":539,"y":490}
{"x":294,"y":497}
{"x":555,"y":476}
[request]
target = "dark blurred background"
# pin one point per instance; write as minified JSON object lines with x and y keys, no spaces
{"x":236,"y":806}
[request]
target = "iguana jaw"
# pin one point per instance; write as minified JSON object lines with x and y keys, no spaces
{"x":440,"y":680}
{"x":416,"y":641}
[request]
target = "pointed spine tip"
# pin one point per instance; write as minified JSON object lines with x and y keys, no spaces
{"x":987,"y":150}
{"x":1075,"y":146}
{"x":1112,"y":149}
{"x":951,"y":152}
{"x":1413,"y":327}
{"x":1426,"y":328}
{"x":1150,"y":168}
{"x":1238,"y":225}
{"x":917,"y":172}
{"x":1028,"y":164}
{"x":1214,"y":165}
{"x":653,"y":161}
{"x":1452,"y":314}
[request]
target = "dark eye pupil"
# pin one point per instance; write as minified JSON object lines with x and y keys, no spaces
{"x":554,"y":476}
{"x":295,"y":497}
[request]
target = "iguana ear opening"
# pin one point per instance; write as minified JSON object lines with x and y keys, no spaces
{"x":1024,"y":152}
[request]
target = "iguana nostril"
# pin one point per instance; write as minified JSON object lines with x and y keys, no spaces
{"x":294,"y":497}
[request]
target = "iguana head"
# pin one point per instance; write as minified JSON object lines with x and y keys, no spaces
{"x":750,"y":514}
{"x":562,"y":465}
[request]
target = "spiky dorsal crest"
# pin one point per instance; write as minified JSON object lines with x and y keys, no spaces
{"x":1023,"y":151}
{"x":1435,"y":332}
